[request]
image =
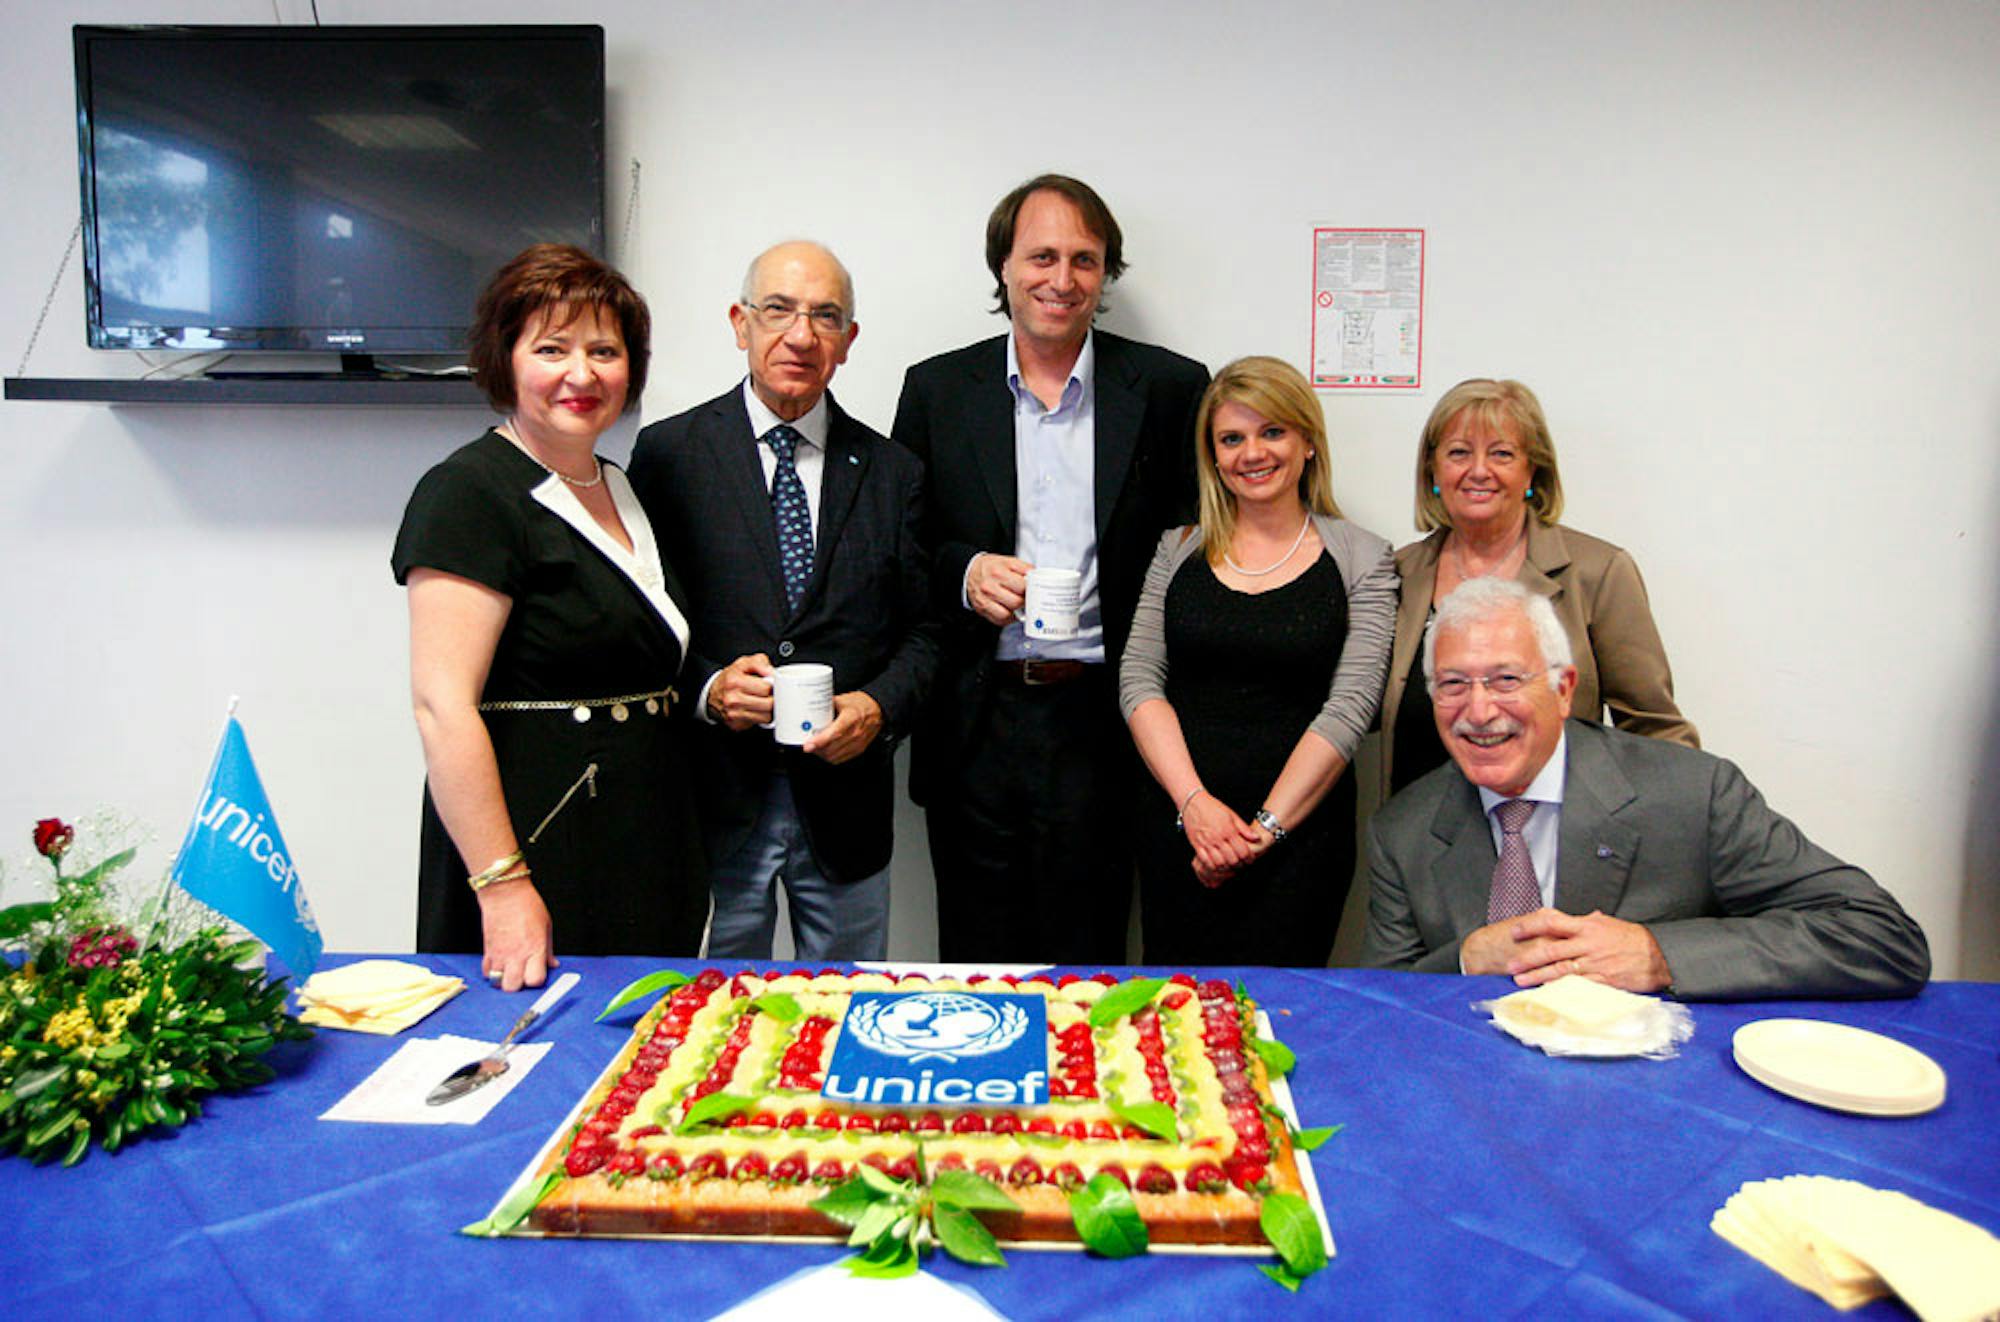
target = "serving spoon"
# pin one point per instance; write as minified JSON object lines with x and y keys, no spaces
{"x":477,"y":1073}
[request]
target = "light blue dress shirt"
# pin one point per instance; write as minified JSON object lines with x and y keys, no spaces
{"x":1055,"y":468}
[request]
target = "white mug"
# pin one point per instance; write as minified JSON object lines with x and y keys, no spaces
{"x":1053,"y":599}
{"x":801,"y":701}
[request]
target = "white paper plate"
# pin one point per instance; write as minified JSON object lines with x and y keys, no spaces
{"x":1833,"y":1065}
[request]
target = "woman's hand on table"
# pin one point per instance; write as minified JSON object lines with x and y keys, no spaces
{"x":519,"y":939}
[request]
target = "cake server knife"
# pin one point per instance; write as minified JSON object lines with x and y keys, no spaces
{"x":477,"y":1073}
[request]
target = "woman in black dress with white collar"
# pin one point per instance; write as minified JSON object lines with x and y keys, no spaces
{"x":545,"y":638}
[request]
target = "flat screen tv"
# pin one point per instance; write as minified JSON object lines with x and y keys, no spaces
{"x":326,"y":189}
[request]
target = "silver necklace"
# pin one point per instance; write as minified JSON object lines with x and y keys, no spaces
{"x":581,"y":484}
{"x":1275,"y":565}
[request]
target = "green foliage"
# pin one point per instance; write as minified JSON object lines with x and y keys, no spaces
{"x":107,"y":1053}
{"x":1126,"y":998}
{"x":893,"y":1222}
{"x":1288,"y":1222}
{"x":640,"y":988}
{"x":1107,"y":1219}
{"x":515,"y":1210}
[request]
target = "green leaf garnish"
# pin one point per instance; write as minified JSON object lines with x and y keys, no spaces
{"x":515,"y":1210}
{"x":1283,"y":1275}
{"x":1309,"y":1140}
{"x":1277,"y":1057}
{"x":715,"y":1106}
{"x":886,"y":1185}
{"x":1126,"y":998}
{"x":875,"y":1221}
{"x":781,"y":1006}
{"x":1107,"y":1220}
{"x":967,"y":1190}
{"x":1288,"y":1222}
{"x":645,"y":986}
{"x":885,"y":1259}
{"x":1156,"y":1118}
{"x":960,"y":1234}
{"x":846,"y":1201}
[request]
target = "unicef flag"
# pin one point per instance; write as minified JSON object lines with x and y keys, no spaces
{"x":941,"y":1047}
{"x":235,"y":861}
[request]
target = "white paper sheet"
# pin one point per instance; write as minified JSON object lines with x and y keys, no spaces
{"x":394,"y":1094}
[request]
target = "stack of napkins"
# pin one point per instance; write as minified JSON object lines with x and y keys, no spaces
{"x":1848,"y":1243}
{"x":374,"y":996}
{"x":1574,"y":1016}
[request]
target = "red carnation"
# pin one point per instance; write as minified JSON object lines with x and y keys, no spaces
{"x":52,"y":837}
{"x":101,"y":947}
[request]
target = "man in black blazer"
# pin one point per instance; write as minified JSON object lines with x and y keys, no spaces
{"x":818,"y":818}
{"x":1057,"y":446}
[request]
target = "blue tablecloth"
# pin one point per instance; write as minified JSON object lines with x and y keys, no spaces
{"x":1475,"y":1177}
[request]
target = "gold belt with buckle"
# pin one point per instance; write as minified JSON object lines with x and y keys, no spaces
{"x":656,"y":703}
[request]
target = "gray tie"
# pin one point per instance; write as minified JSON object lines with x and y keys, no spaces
{"x":1514,"y":890}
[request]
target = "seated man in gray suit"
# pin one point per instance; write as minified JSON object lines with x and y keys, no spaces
{"x":794,"y":529}
{"x":1554,"y":846}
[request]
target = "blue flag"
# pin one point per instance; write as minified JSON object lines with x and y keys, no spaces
{"x":235,"y":862}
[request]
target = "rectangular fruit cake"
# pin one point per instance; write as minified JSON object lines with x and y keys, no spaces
{"x":1184,"y":1059}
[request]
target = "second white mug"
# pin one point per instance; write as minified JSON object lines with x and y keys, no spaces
{"x":801,"y":701}
{"x":1054,"y":598}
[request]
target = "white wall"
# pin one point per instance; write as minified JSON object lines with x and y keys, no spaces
{"x":1744,"y":252}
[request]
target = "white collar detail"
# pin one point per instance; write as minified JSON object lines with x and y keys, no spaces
{"x":641,"y":564}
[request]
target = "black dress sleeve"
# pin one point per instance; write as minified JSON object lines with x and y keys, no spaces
{"x":460,"y":522}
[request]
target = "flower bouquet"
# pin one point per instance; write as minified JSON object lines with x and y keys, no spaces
{"x":124,"y":1014}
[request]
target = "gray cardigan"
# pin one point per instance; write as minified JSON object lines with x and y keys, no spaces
{"x":1367,"y":567}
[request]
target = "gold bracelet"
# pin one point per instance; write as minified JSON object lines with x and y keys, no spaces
{"x":497,"y":871}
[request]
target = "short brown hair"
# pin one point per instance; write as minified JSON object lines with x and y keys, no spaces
{"x":1491,"y":402}
{"x":552,"y":280}
{"x":1097,"y":218}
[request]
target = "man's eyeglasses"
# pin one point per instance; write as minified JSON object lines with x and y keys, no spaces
{"x":777,"y":315}
{"x":1457,"y":688}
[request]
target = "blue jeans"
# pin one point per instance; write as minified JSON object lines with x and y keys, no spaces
{"x":830,"y":920}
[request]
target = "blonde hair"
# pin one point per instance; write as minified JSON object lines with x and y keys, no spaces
{"x":1499,"y":405}
{"x":1274,"y":388}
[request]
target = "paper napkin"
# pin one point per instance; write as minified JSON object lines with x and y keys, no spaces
{"x":1574,"y":1016}
{"x":1848,"y":1244}
{"x":374,"y":996}
{"x":396,"y":1093}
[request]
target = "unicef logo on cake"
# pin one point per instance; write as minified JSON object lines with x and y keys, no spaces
{"x":944,"y":1026}
{"x":946,"y":1048}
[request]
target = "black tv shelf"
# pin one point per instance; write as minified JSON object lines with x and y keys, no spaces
{"x":412,"y":391}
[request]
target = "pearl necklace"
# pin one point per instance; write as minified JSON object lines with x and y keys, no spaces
{"x":1275,"y":565}
{"x":581,"y":484}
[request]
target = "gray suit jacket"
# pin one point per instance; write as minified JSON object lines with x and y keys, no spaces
{"x":1743,"y":905}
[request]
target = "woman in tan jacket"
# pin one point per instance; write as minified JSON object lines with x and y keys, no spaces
{"x":1489,"y":493}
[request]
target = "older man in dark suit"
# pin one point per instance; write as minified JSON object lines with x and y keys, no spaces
{"x":1552,"y":846}
{"x":1058,"y":446}
{"x":795,"y":530}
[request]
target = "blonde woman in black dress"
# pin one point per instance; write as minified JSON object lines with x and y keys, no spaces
{"x":1254,"y":669}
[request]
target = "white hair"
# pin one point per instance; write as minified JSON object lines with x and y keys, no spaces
{"x":1480,"y":599}
{"x":846,"y":280}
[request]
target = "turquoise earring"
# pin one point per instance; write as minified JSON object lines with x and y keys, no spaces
{"x":1531,"y":493}
{"x":1436,"y":492}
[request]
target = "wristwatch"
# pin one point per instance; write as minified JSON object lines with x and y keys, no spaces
{"x":1269,"y":821}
